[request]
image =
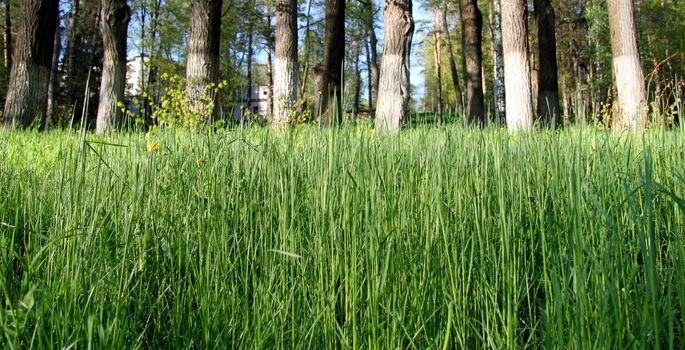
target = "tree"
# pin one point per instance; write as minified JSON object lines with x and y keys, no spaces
{"x":436,"y":56}
{"x":450,"y":58}
{"x":285,"y":67}
{"x":519,"y":104}
{"x":8,"y":35}
{"x":329,"y":71}
{"x":27,"y":91}
{"x":372,"y":52}
{"x":54,"y":75}
{"x":628,"y":75}
{"x":392,"y":106}
{"x":548,"y":86}
{"x":114,"y":26}
{"x":204,"y":48}
{"x":472,"y":28}
{"x":498,"y":58}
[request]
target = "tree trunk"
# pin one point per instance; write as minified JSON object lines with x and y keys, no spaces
{"x":437,"y":56}
{"x":250,"y":53}
{"x":450,"y":58}
{"x":357,"y":78}
{"x":269,"y":64}
{"x":307,"y":45}
{"x":285,"y":67}
{"x":628,"y":75}
{"x":548,"y":86}
{"x":202,"y":66}
{"x":114,"y":26}
{"x":54,"y":74}
{"x":8,"y":35}
{"x":498,"y":56}
{"x":519,"y":104}
{"x":27,"y":90}
{"x":373,"y":58}
{"x":73,"y":45}
{"x":152,"y":66}
{"x":472,"y":27}
{"x":392,"y":107}
{"x":329,"y":71}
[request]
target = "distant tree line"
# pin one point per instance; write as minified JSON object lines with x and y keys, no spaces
{"x":518,"y":62}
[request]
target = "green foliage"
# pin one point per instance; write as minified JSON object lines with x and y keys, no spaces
{"x":341,"y":238}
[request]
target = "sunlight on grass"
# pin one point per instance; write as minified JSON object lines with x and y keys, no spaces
{"x":252,"y":238}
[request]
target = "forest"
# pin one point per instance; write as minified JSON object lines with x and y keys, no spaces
{"x":330,"y":174}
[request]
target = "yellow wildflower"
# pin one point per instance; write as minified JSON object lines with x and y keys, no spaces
{"x":151,"y":147}
{"x":200,"y":160}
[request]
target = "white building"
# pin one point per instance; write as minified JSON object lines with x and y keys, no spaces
{"x":256,"y":107}
{"x":136,"y":72}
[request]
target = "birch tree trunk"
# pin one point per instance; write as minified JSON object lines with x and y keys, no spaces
{"x":329,"y":71}
{"x":202,"y":66}
{"x":27,"y":90}
{"x":392,"y":107}
{"x":450,"y":58}
{"x":472,"y":28}
{"x":519,"y":103}
{"x":548,"y":86}
{"x":114,"y":26}
{"x":628,"y":75}
{"x":285,"y":65}
{"x":498,"y":55}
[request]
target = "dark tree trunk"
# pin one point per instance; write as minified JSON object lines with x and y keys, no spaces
{"x":8,"y":35}
{"x":202,"y":66}
{"x":472,"y":28}
{"x":548,"y":86}
{"x":393,"y":86}
{"x":73,"y":46}
{"x":152,"y":67}
{"x":27,"y":91}
{"x":269,"y":63}
{"x":373,"y":53}
{"x":114,"y":26}
{"x":450,"y":58}
{"x":250,"y":53}
{"x":329,"y":71}
{"x":285,"y":67}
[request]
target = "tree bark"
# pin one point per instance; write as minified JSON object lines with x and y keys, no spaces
{"x":285,"y":67}
{"x":373,"y":51}
{"x":498,"y":56}
{"x":202,"y":66}
{"x":114,"y":26}
{"x":548,"y":86}
{"x":436,"y":56}
{"x":392,"y":107}
{"x":329,"y":71}
{"x":73,"y":45}
{"x":628,"y":75}
{"x":269,"y":63}
{"x":450,"y":59}
{"x":8,"y":35}
{"x":519,"y":104}
{"x":27,"y":90}
{"x":472,"y":28}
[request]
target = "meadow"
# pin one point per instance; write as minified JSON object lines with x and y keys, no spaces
{"x":342,"y":238}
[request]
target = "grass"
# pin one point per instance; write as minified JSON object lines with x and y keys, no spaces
{"x":433,"y":238}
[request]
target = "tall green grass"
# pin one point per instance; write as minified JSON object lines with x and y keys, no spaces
{"x":433,"y":238}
